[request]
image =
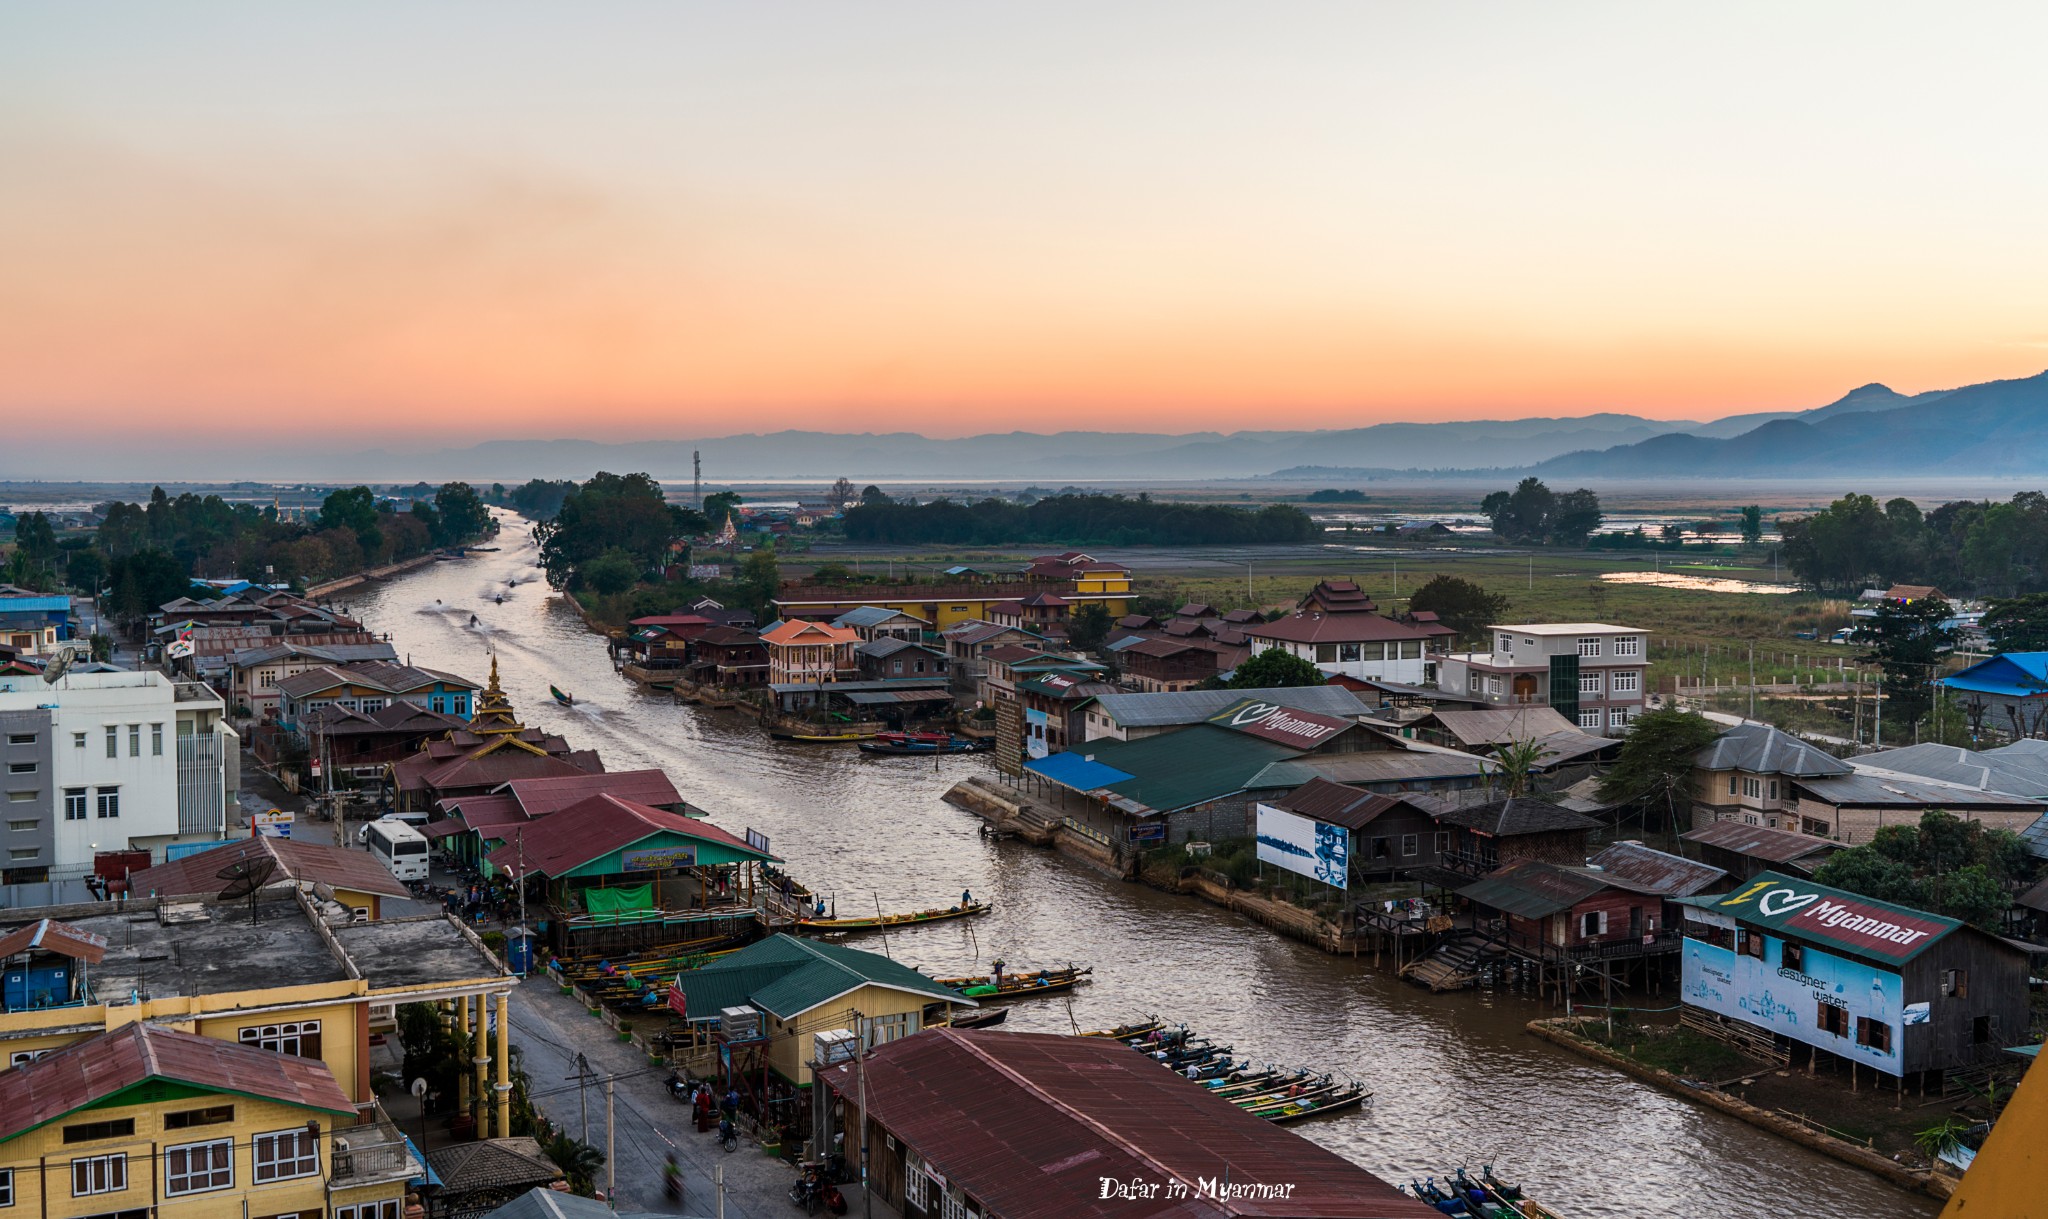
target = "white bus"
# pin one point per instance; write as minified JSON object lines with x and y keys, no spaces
{"x":402,"y":848}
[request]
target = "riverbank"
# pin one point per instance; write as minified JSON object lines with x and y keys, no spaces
{"x":1765,"y":1084}
{"x":375,"y":573}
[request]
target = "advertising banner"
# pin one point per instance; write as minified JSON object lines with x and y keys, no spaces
{"x":1845,"y":1007}
{"x":657,"y":859}
{"x":1314,"y":849}
{"x":274,"y":824}
{"x":1034,"y":734}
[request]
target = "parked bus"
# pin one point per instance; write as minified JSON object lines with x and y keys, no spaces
{"x":402,"y":848}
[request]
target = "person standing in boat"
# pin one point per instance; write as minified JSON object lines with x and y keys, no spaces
{"x":966,"y":898}
{"x":997,"y":976}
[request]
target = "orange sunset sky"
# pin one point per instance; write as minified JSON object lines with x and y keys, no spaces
{"x":469,"y":220}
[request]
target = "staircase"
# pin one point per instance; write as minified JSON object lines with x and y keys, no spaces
{"x":1453,"y":965}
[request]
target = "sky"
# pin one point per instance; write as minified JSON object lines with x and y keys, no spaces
{"x":428,"y":224}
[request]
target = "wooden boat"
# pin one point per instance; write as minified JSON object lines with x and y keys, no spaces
{"x":1052,"y":985}
{"x":818,"y":738}
{"x":1124,"y":1032}
{"x":981,"y":1019}
{"x":951,"y":745}
{"x":989,"y":979}
{"x":1298,"y":1111}
{"x":567,"y":700}
{"x":877,"y":923}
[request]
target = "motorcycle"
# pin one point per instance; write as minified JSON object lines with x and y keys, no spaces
{"x":728,"y":1134}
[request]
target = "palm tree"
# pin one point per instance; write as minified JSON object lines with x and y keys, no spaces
{"x":1517,"y":763}
{"x":579,"y":1161}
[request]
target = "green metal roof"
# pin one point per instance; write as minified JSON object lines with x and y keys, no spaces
{"x":786,"y":976}
{"x":1848,"y":922}
{"x":1194,"y":765}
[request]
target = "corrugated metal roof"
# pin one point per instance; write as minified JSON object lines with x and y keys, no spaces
{"x":49,"y":935}
{"x":2019,"y":769}
{"x":307,"y":862}
{"x":1758,"y":842}
{"x":876,"y":698}
{"x":1763,"y":749}
{"x":2009,"y":675}
{"x":1861,"y":926}
{"x":1384,"y":766}
{"x":787,"y":976}
{"x":1534,"y":890}
{"x":595,"y":827}
{"x":1503,"y":725}
{"x":1516,"y":815}
{"x":1031,"y":1124}
{"x":1194,"y":706}
{"x":1335,"y":628}
{"x":1657,"y":871}
{"x":1335,"y":803}
{"x":1874,"y":789}
{"x":1195,"y":765}
{"x":539,"y":797}
{"x":64,"y":1081}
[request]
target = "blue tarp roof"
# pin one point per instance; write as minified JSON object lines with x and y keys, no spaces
{"x":1074,"y":770}
{"x":2013,"y":674}
{"x":34,"y":605}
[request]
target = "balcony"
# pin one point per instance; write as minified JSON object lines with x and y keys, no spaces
{"x":370,"y":1152}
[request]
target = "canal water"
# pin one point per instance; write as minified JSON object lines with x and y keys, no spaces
{"x":1457,"y":1080}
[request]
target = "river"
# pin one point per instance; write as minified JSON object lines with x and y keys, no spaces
{"x":1457,"y":1080}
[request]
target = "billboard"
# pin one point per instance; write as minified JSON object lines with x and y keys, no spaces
{"x":1282,"y":725}
{"x":1843,"y":1006}
{"x":657,"y":859}
{"x":1315,"y":849}
{"x":274,"y":824}
{"x":1034,"y":734}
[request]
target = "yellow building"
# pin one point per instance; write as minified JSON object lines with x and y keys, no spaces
{"x":287,"y":975}
{"x":803,"y":987}
{"x":149,"y":1121}
{"x":1082,"y":581}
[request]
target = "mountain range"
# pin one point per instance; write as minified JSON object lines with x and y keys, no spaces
{"x":1995,"y":428}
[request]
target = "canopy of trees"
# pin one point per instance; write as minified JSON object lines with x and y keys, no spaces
{"x":540,"y":498}
{"x":1274,"y":667}
{"x":1460,"y":604}
{"x":1907,"y":643}
{"x":209,"y":538}
{"x":620,"y":518}
{"x":1984,"y":547}
{"x":1944,"y":864}
{"x":1655,"y":761}
{"x":1073,"y":520}
{"x":1534,"y":515}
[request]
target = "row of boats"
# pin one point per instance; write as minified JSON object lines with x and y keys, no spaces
{"x":896,"y":743}
{"x":1478,"y":1196}
{"x":1276,"y":1094}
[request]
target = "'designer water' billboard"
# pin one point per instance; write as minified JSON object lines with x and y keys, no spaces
{"x":1315,"y":849}
{"x":1843,"y":1006}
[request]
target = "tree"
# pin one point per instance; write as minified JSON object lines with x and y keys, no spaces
{"x":462,"y":512}
{"x":1943,"y":864}
{"x":1907,"y":641}
{"x":873,"y":496}
{"x":1655,"y":762}
{"x":353,"y":509}
{"x":143,"y":581}
{"x":720,"y":504}
{"x":1088,"y":627}
{"x":2018,"y":624}
{"x":1462,"y":605}
{"x":622,"y":511}
{"x":1517,"y":763}
{"x":1574,"y":516}
{"x":842,"y":492}
{"x":539,"y":499}
{"x":1752,"y":524}
{"x":35,"y":550}
{"x":1522,"y":515}
{"x":579,"y":1162}
{"x":757,"y":582}
{"x":614,"y":571}
{"x":86,"y":571}
{"x":1275,"y":667}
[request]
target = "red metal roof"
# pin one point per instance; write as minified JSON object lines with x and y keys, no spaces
{"x":539,"y":797}
{"x":312,"y":862}
{"x":1030,"y":1124}
{"x":1315,"y":627}
{"x":49,"y":935}
{"x":69,"y":1079}
{"x":595,"y":827}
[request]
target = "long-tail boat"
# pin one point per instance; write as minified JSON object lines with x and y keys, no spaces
{"x":882,"y":921}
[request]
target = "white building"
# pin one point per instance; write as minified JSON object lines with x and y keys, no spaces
{"x":1590,"y":672}
{"x":107,"y":762}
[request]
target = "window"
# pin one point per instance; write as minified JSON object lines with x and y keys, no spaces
{"x":78,"y":740}
{"x":880,"y":1030}
{"x":1589,"y":683}
{"x":1589,"y":719}
{"x":134,"y":740}
{"x":1955,"y":983}
{"x":99,"y":1175}
{"x":195,"y":1168}
{"x":21,"y":768}
{"x":1589,"y":645}
{"x":1731,"y":785}
{"x":23,"y":854}
{"x":300,"y":1038}
{"x":1506,"y":644}
{"x":185,"y":1119}
{"x":1411,"y":844}
{"x":387,"y":1209}
{"x":1443,"y":841}
{"x":1326,"y":653}
{"x":1833,"y":1019}
{"x":23,"y":826}
{"x":1873,"y":1033}
{"x":21,"y":738}
{"x":1752,"y":788}
{"x":156,"y":740}
{"x":1619,"y":717}
{"x":1980,"y":1029}
{"x":113,"y":740}
{"x":1472,"y":683}
{"x":74,"y":804}
{"x":1628,"y":645}
{"x":109,"y":802}
{"x":92,"y":1132}
{"x":21,"y":1056}
{"x":1348,"y":651}
{"x":1774,"y":789}
{"x":1411,"y":649}
{"x":1493,"y":683}
{"x":286,"y":1153}
{"x":1750,"y":943}
{"x":1593,"y":922}
{"x":27,"y":797}
{"x":1625,"y":683}
{"x":1792,"y":956}
{"x":6,"y":1187}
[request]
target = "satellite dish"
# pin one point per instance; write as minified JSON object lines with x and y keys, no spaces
{"x":246,"y":878}
{"x":59,"y":664}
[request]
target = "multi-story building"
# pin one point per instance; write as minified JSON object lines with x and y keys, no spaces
{"x":109,"y":761}
{"x":809,"y":652}
{"x":1338,"y":629}
{"x":1590,"y":672}
{"x":373,"y":687}
{"x":250,"y":677}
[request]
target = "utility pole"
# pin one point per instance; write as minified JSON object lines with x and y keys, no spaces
{"x":582,"y":1078}
{"x":697,"y":478}
{"x":611,"y":1162}
{"x":1752,"y":681}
